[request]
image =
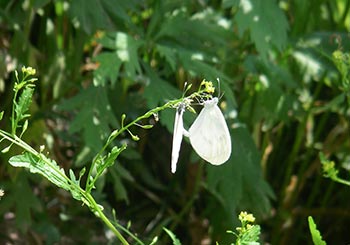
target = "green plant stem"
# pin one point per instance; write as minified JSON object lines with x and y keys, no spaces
{"x":102,"y":216}
{"x":88,"y":197}
{"x":13,"y":121}
{"x":90,"y":183}
{"x":342,"y":181}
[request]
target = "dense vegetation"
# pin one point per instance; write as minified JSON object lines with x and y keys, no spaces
{"x":284,"y":76}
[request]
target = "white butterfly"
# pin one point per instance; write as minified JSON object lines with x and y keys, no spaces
{"x":177,"y":135}
{"x":209,"y":134}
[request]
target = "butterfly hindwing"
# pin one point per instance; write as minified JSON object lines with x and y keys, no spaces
{"x":209,"y":134}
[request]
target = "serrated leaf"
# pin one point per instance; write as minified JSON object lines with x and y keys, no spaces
{"x":251,"y":236}
{"x":249,"y":187}
{"x":266,"y":22}
{"x":124,"y":51}
{"x":92,"y":15}
{"x":23,"y":104}
{"x":39,"y":164}
{"x":21,"y":198}
{"x":172,"y":236}
{"x":169,"y":54}
{"x":108,"y":69}
{"x":158,"y":91}
{"x":94,"y":117}
{"x":316,"y":235}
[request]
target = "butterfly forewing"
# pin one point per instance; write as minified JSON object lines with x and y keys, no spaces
{"x":177,"y":136}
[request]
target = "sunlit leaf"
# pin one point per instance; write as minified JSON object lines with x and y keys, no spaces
{"x":316,"y":235}
{"x":92,"y":15}
{"x":172,"y":236}
{"x":266,"y":22}
{"x":108,"y":69}
{"x":24,"y":101}
{"x":94,"y":117}
{"x":43,"y":166}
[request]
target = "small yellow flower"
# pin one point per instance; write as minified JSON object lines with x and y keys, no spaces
{"x":208,"y":86}
{"x":28,"y":70}
{"x":2,"y":192}
{"x":244,"y":216}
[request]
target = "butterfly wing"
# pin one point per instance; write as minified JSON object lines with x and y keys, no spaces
{"x":209,"y":134}
{"x":177,"y":137}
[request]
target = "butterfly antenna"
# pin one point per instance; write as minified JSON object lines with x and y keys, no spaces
{"x":186,"y":88}
{"x":219,"y":93}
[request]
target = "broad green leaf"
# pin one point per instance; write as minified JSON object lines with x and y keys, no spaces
{"x":21,"y":198}
{"x":196,"y":64}
{"x":158,"y":91}
{"x":108,"y":69}
{"x":266,"y":23}
{"x":118,"y":185}
{"x":316,"y":235}
{"x":92,"y":15}
{"x":313,"y":54}
{"x":1,"y":115}
{"x":169,"y":54}
{"x":273,"y":90}
{"x":249,"y":186}
{"x":94,"y":118}
{"x":39,"y":3}
{"x":125,"y":51}
{"x":230,"y":3}
{"x":41,"y":165}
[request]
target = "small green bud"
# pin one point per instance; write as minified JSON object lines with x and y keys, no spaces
{"x":148,"y":126}
{"x":135,"y":137}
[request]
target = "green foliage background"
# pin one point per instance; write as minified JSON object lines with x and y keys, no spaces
{"x":286,"y":98}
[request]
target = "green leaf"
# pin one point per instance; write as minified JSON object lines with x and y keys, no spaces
{"x":251,"y":236}
{"x":118,"y":173}
{"x":169,"y":54}
{"x":94,"y":118}
{"x":1,"y":115}
{"x":172,"y":236}
{"x":21,"y":198}
{"x":23,"y":104}
{"x":43,"y":166}
{"x":157,"y":90}
{"x":230,"y":3}
{"x":92,"y":15}
{"x":108,"y":69}
{"x":266,"y":22}
{"x":110,"y":159}
{"x":124,"y":50}
{"x":249,"y":190}
{"x":316,"y":235}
